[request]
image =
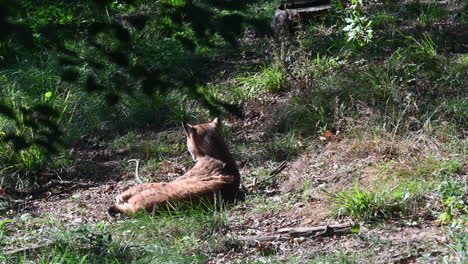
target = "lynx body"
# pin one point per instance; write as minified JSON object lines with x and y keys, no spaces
{"x":214,"y":172}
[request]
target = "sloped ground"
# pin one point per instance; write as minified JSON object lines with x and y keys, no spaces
{"x":295,"y":197}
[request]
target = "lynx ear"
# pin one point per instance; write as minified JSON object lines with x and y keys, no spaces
{"x":216,"y":122}
{"x":188,"y":129}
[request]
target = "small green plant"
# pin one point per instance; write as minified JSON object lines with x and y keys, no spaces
{"x":424,"y":47}
{"x":322,"y":64}
{"x":307,"y":114}
{"x":425,"y":13}
{"x":3,"y":227}
{"x":458,"y":245}
{"x":453,"y":207}
{"x":453,"y":198}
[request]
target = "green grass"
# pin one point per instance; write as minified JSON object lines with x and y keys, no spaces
{"x":340,"y":258}
{"x":415,"y":181}
{"x":424,"y":168}
{"x":453,"y":194}
{"x":458,"y":245}
{"x":408,"y":199}
{"x":283,"y":147}
{"x":159,"y":148}
{"x":424,"y":13}
{"x":172,"y":236}
{"x":367,"y":205}
{"x":268,"y":79}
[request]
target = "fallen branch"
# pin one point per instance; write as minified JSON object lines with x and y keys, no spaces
{"x":261,"y":238}
{"x":31,"y":248}
{"x":317,"y":231}
{"x":411,"y":258}
{"x":294,"y":232}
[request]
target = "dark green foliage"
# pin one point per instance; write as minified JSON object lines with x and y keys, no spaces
{"x":67,"y":68}
{"x":113,"y":57}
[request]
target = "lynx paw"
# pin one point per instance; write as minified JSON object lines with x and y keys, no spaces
{"x":119,"y":199}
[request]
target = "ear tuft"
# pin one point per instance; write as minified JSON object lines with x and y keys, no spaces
{"x":216,"y":121}
{"x":188,"y":129}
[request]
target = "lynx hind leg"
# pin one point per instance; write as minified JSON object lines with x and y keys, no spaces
{"x":125,"y":208}
{"x":125,"y":196}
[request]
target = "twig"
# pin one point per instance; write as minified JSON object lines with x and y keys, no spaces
{"x":275,"y":172}
{"x":137,"y":166}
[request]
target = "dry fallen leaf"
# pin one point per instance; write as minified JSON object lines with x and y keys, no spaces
{"x":262,"y":246}
{"x":329,"y":136}
{"x":166,"y":163}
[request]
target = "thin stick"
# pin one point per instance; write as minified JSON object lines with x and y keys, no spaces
{"x":137,"y":166}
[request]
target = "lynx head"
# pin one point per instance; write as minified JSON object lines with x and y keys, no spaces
{"x":206,"y":140}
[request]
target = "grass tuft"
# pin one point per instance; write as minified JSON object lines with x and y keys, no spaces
{"x":366,"y":205}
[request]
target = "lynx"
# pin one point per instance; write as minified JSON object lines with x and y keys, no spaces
{"x":214,"y":172}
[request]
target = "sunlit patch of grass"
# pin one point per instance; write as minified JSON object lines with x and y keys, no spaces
{"x":322,"y":65}
{"x":179,"y":234}
{"x":268,"y":79}
{"x":366,"y":205}
{"x":463,"y":60}
{"x":177,"y":231}
{"x":340,"y":258}
{"x":425,"y":168}
{"x":455,"y":110}
{"x":269,"y":204}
